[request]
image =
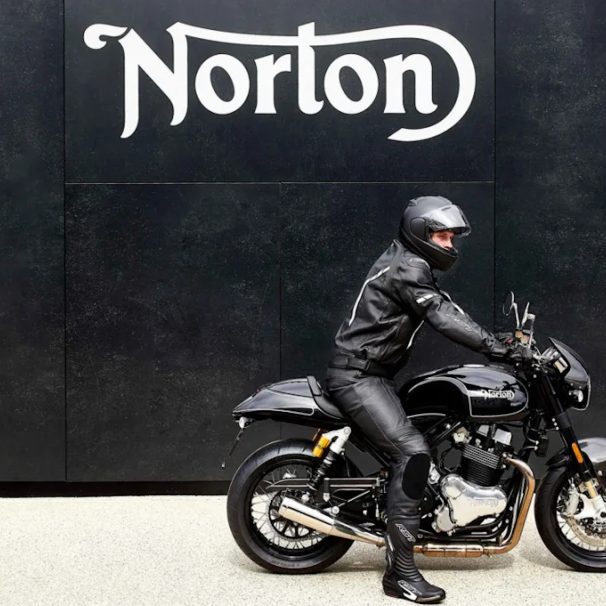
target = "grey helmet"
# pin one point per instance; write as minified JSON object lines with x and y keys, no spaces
{"x":424,"y":215}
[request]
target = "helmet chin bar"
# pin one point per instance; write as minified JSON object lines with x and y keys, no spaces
{"x":446,"y":257}
{"x":452,"y":254}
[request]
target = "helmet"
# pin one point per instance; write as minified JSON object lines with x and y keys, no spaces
{"x":428,"y":214}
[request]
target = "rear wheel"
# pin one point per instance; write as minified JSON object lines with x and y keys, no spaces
{"x":277,"y":544}
{"x":576,"y":540}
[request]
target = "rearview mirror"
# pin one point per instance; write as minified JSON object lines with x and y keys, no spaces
{"x":508,"y":303}
{"x":526,"y":315}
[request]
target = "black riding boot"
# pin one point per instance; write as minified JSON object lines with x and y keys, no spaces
{"x":402,"y":578}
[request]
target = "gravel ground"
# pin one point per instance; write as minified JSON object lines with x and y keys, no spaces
{"x":178,"y":550}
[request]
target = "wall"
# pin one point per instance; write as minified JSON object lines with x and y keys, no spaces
{"x":203,"y":259}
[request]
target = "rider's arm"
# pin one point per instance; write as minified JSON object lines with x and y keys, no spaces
{"x":419,"y":293}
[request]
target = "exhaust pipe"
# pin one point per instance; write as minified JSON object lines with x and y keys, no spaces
{"x":514,"y":538}
{"x":318,"y":520}
{"x":314,"y":518}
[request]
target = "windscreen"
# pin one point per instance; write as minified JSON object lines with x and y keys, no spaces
{"x":576,"y":374}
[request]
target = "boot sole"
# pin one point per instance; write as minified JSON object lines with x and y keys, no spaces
{"x":420,"y":600}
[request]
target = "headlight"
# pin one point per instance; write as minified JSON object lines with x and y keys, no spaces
{"x":579,"y":397}
{"x":577,"y":394}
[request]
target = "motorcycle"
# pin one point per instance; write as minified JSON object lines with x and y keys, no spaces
{"x":296,"y":506}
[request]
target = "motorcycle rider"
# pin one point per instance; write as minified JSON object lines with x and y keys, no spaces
{"x":398,"y":295}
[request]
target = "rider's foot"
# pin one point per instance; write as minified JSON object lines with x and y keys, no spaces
{"x":415,"y":591}
{"x":402,"y":578}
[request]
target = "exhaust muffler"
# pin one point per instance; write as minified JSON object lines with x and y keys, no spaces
{"x":312,"y":517}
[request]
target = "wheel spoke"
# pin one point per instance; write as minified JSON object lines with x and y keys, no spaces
{"x":587,"y":534}
{"x":264,"y":506}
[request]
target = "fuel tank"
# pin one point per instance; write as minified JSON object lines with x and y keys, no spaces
{"x":477,"y":391}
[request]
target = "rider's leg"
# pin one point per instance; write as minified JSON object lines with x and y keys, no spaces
{"x":371,"y":402}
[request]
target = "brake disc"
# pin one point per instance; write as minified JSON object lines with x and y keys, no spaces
{"x":588,"y":534}
{"x":578,"y":516}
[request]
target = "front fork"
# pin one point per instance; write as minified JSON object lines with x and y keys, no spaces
{"x":579,"y":463}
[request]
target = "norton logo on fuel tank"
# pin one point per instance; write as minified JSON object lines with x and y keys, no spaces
{"x":173,"y":80}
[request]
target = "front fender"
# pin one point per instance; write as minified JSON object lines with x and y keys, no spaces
{"x":593,"y":448}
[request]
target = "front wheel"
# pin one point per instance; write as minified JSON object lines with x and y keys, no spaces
{"x":277,"y":544}
{"x":576,"y":540}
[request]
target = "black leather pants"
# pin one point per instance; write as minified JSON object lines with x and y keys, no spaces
{"x":372,"y":404}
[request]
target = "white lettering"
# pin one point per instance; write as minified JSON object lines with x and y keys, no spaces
{"x":239,"y":79}
{"x":173,"y":81}
{"x":395,"y":67}
{"x":308,"y":103}
{"x":267,"y":71}
{"x":487,"y":394}
{"x":367,"y":76}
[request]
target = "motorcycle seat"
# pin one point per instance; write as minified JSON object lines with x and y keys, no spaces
{"x":321,"y":399}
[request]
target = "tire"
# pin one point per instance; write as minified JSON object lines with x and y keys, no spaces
{"x":311,"y":560}
{"x":545,"y":515}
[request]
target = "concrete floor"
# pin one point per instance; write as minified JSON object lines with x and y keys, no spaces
{"x":178,"y":551}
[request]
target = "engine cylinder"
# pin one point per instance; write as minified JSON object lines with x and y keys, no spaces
{"x":480,"y":466}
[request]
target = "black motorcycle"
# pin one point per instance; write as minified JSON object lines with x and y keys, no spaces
{"x":296,"y":506}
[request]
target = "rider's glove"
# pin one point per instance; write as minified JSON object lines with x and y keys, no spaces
{"x":506,"y":338}
{"x":516,"y":352}
{"x":513,"y":352}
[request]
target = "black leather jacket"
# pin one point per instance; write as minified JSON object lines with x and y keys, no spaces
{"x":398,"y":295}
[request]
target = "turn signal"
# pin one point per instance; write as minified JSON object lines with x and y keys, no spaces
{"x":577,"y":452}
{"x":321,"y":444}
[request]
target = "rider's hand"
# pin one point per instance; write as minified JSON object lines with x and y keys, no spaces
{"x":516,"y":352}
{"x":506,"y":338}
{"x":512,"y":352}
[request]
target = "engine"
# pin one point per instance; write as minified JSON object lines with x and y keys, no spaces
{"x":482,"y":452}
{"x":473,"y":493}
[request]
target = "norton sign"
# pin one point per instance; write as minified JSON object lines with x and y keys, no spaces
{"x":173,"y":82}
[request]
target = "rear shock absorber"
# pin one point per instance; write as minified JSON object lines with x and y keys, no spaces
{"x":335,"y":442}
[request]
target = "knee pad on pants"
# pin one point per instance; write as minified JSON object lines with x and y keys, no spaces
{"x":416,"y":471}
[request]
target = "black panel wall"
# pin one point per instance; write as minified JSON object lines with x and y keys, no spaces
{"x":551,"y":183}
{"x":173,"y":317}
{"x":289,"y":145}
{"x":202,"y":259}
{"x":32,"y":406}
{"x":209,"y":257}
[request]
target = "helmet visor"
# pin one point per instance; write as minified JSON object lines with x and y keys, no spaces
{"x":448,"y":217}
